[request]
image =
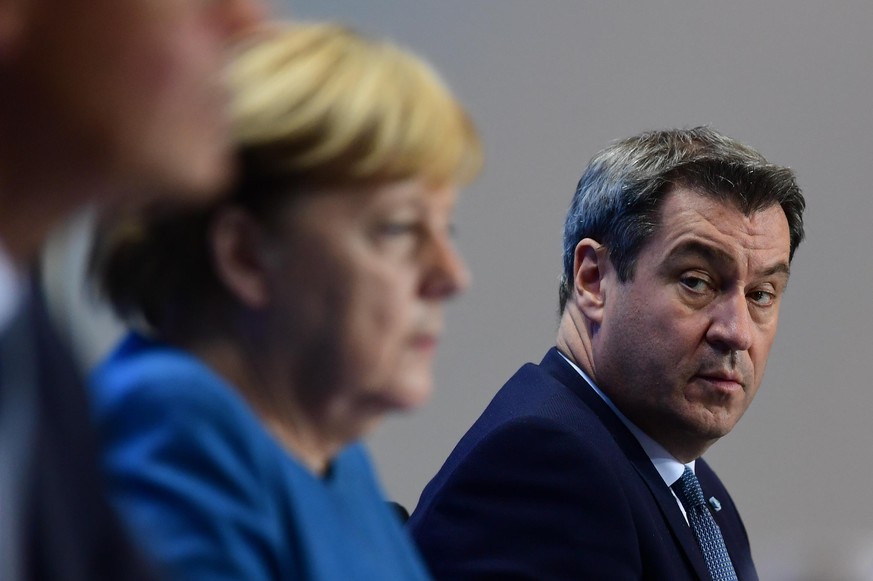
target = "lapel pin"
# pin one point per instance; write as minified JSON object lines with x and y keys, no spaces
{"x":714,"y":503}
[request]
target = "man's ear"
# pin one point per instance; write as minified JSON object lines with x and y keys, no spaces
{"x":590,"y":267}
{"x":239,"y":251}
{"x":13,"y":14}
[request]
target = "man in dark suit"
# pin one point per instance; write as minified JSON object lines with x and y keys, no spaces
{"x":99,"y":101}
{"x":677,"y":249}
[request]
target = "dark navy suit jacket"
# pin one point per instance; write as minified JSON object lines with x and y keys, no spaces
{"x":550,"y":484}
{"x":67,"y":530}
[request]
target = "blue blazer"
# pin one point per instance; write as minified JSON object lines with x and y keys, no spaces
{"x":549,"y":484}
{"x":211,"y":495}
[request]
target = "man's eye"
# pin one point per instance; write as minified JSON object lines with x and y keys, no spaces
{"x":694,"y":283}
{"x":762,"y":298}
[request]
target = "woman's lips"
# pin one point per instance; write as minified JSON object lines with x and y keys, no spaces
{"x":425,"y":342}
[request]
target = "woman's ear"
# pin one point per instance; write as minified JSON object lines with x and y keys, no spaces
{"x":590,"y":268}
{"x":239,"y":248}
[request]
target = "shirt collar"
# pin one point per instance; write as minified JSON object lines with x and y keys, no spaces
{"x":10,"y":287}
{"x":669,"y":468}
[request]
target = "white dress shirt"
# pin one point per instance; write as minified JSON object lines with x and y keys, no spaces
{"x":15,"y":422}
{"x":10,"y":287}
{"x":665,"y":463}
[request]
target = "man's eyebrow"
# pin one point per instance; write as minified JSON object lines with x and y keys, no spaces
{"x":697,"y":249}
{"x":779,"y":268}
{"x":712,"y":254}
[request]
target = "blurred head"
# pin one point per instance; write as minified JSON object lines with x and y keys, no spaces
{"x":107,"y":98}
{"x":334,"y":250}
{"x":678,"y":245}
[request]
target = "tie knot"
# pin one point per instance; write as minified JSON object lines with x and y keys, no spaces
{"x":687,"y":488}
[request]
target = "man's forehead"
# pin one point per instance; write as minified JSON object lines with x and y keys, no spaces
{"x":719,"y":256}
{"x":720,"y":231}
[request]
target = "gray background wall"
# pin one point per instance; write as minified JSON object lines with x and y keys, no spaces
{"x":550,"y":82}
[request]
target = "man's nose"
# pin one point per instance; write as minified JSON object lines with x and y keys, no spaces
{"x":731,"y":325}
{"x":237,"y":16}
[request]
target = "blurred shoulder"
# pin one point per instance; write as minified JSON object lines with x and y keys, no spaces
{"x":146,"y":382}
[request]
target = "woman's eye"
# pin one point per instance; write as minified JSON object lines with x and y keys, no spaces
{"x":397,"y":228}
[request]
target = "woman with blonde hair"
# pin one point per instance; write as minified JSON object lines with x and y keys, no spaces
{"x":279,"y":324}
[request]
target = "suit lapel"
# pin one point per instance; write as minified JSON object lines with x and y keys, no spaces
{"x":557,"y":367}
{"x":68,"y":531}
{"x":17,"y":423}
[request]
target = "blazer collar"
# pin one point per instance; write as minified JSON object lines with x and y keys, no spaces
{"x":555,"y":365}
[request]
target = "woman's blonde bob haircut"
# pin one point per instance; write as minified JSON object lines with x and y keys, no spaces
{"x":312,"y":107}
{"x":321,"y":105}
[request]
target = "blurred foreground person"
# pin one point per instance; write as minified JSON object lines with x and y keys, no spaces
{"x":677,"y":249}
{"x":279,"y":325}
{"x":99,"y":100}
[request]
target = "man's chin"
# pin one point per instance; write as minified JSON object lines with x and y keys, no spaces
{"x":195,"y":178}
{"x":206,"y":179}
{"x":713,"y":426}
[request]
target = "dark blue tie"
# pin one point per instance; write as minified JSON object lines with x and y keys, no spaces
{"x":708,"y":535}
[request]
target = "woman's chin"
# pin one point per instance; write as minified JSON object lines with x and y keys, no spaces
{"x":410,"y":394}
